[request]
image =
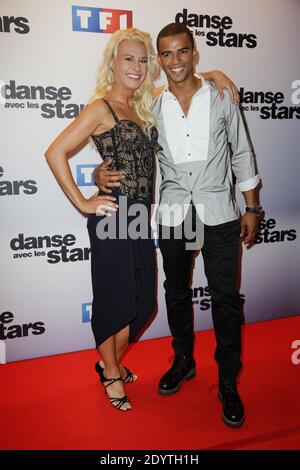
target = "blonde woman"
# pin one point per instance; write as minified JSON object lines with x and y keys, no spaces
{"x":120,"y":122}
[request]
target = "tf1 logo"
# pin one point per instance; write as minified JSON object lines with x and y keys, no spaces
{"x":100,"y":20}
{"x":84,"y":175}
{"x":86,"y":310}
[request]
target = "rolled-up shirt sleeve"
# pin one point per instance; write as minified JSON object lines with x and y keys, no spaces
{"x":242,"y":160}
{"x":251,"y":183}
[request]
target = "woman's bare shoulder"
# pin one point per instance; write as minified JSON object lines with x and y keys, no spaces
{"x":157,"y":91}
{"x":96,"y":110}
{"x":97,"y":106}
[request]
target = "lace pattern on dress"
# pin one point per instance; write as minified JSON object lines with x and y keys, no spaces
{"x":132,"y":152}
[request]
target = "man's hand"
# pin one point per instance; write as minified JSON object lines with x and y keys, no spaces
{"x":105,"y":178}
{"x":222,"y":81}
{"x":249,"y":227}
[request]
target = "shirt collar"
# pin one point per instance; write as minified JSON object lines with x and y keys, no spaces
{"x":204,"y":85}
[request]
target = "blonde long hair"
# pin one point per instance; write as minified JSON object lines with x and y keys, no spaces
{"x":142,"y":96}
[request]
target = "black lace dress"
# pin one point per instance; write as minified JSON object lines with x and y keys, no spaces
{"x":123,"y":264}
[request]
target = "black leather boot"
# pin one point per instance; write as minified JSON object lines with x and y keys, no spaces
{"x":183,"y":368}
{"x":233,"y":409}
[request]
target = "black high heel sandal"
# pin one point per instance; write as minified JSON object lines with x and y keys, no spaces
{"x":129,"y":376}
{"x":127,"y":379}
{"x":119,"y":401}
{"x":100,"y":371}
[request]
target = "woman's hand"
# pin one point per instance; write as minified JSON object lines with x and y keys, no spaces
{"x":100,"y":205}
{"x":221,"y":82}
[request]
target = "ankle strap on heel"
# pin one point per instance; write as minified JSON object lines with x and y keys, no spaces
{"x":111,"y":381}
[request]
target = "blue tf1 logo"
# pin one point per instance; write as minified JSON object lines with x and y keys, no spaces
{"x":86,"y":312}
{"x":84,"y":174}
{"x":100,"y":20}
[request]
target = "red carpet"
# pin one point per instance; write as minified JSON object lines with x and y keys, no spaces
{"x":58,"y":403}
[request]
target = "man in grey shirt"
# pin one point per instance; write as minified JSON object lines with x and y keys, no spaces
{"x":202,"y":141}
{"x":195,"y":160}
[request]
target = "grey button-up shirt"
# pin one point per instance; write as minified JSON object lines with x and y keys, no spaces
{"x":197,"y":155}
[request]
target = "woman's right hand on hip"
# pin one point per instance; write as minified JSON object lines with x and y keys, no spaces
{"x":100,"y":205}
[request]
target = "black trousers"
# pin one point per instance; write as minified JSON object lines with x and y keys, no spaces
{"x":220,"y":253}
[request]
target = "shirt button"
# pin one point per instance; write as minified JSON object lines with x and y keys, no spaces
{"x":191,"y":173}
{"x":189,"y":154}
{"x":188,"y":135}
{"x":182,"y":116}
